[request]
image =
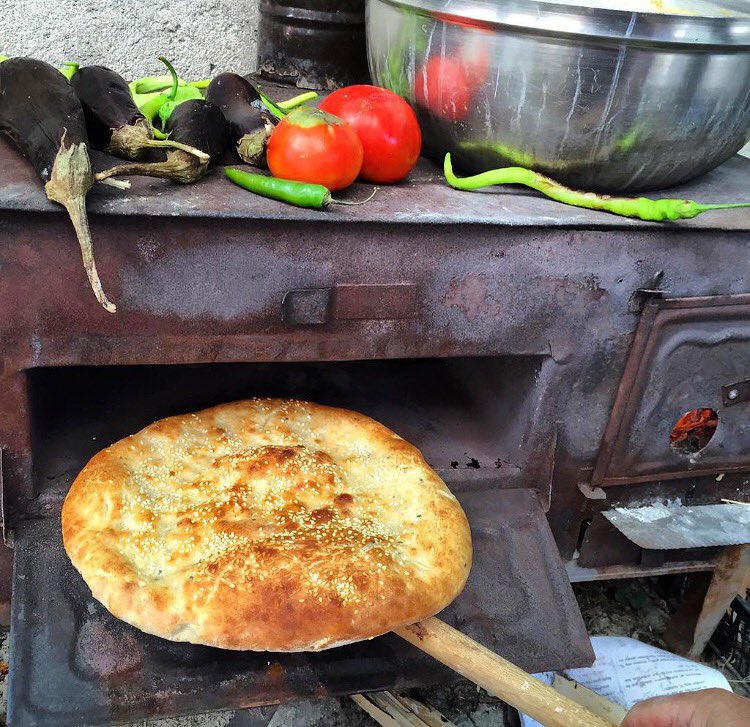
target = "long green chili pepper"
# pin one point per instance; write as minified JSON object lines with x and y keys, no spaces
{"x":300,"y":194}
{"x":203,"y":83}
{"x":4,"y":58}
{"x":281,"y":108}
{"x":292,"y":103}
{"x":162,"y":104}
{"x":271,"y":106}
{"x":177,"y":94}
{"x":656,"y":210}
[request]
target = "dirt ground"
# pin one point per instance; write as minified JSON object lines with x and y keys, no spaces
{"x":616,"y":608}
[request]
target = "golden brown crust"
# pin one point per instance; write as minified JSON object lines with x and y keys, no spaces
{"x":268,"y":525}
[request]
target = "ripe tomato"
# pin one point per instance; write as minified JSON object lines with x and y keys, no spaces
{"x":312,"y":146}
{"x":386,"y":126}
{"x":443,"y":86}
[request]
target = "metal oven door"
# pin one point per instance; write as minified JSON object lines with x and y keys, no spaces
{"x":688,"y":354}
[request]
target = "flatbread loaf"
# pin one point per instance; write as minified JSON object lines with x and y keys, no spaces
{"x":268,"y":525}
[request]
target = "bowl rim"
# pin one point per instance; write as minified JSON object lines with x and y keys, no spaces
{"x":621,"y":26}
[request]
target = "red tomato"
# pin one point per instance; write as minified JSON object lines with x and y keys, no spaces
{"x":386,"y":126}
{"x":443,"y":86}
{"x":312,"y":146}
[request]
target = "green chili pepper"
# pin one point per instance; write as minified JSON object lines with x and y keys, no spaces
{"x":184,"y":93}
{"x":153,"y":84}
{"x":203,"y":83}
{"x":4,"y":58}
{"x":640,"y":207}
{"x":300,"y":194}
{"x":150,"y":108}
{"x":271,"y":106}
{"x":162,"y":104}
{"x":292,"y":103}
{"x":69,"y":69}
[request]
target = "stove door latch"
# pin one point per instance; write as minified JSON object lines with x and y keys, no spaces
{"x":316,"y":306}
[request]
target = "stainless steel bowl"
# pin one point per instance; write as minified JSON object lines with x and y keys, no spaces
{"x":599,"y":98}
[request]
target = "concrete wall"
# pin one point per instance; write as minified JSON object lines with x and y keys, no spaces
{"x":200,"y":36}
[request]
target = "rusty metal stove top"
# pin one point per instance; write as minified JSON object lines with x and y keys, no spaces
{"x":424,"y":199}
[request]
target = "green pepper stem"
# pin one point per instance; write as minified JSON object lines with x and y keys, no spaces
{"x":292,"y":103}
{"x":175,"y":80}
{"x":354,"y":204}
{"x":734,"y":205}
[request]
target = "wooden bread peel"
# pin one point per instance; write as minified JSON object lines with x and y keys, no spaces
{"x":502,"y":679}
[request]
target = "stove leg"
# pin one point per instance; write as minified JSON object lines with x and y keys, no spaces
{"x":706,"y":600}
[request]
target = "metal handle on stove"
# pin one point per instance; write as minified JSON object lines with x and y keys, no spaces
{"x":350,"y":302}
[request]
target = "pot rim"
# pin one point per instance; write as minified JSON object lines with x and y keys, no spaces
{"x":621,"y":26}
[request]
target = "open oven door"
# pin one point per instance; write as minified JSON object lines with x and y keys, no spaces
{"x":74,"y":663}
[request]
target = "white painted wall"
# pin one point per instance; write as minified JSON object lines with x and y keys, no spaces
{"x":200,"y":36}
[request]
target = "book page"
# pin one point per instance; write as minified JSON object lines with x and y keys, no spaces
{"x":627,"y":671}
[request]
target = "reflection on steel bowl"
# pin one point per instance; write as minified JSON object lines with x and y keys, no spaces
{"x":597,"y":97}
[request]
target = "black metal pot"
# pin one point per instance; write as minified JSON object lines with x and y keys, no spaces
{"x":316,"y":44}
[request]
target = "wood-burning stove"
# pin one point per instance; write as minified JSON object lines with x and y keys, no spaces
{"x":538,"y":354}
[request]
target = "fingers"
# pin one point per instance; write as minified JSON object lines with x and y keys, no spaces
{"x":706,"y":708}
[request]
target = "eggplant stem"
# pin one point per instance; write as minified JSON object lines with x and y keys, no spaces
{"x":167,"y":144}
{"x":354,"y":204}
{"x":76,"y":207}
{"x":116,"y":183}
{"x":71,"y":178}
{"x":180,"y":166}
{"x":132,"y":142}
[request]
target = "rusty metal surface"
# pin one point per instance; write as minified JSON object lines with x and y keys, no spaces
{"x":448,"y":408}
{"x":670,"y":528}
{"x":315,"y":306}
{"x":424,"y":199}
{"x":313,"y":43}
{"x":688,"y":350}
{"x":73,"y":663}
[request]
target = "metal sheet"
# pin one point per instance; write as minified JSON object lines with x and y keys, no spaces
{"x":424,"y":198}
{"x":668,"y":528}
{"x":74,"y":663}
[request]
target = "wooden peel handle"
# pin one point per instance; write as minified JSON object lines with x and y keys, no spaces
{"x":498,"y":676}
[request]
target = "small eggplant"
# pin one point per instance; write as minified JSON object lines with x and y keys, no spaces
{"x":41,"y":114}
{"x":113,"y":121}
{"x":195,"y":123}
{"x":199,"y":124}
{"x":248,"y":125}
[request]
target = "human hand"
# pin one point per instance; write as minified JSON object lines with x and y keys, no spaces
{"x":706,"y":708}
